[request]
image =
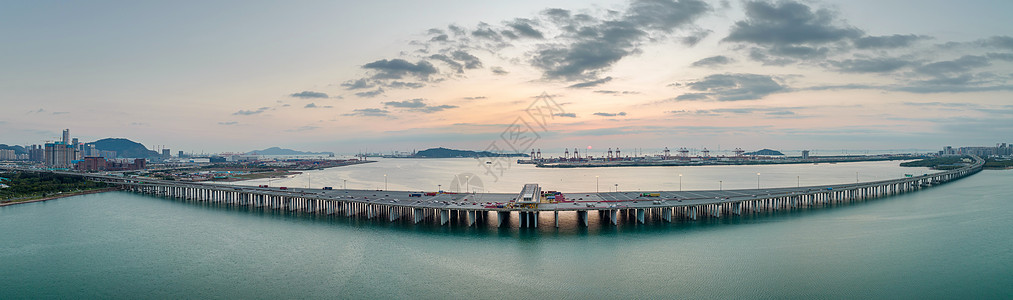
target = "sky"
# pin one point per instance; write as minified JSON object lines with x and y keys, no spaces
{"x":381,"y":76}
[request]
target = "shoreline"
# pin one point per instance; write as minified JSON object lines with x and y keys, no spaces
{"x":61,"y":196}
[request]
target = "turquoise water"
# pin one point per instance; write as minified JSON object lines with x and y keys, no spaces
{"x":950,"y":241}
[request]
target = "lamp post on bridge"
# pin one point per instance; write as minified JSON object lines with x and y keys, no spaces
{"x":680,"y":182}
{"x":384,"y":182}
{"x":596,"y":184}
{"x":720,"y":187}
{"x":346,"y":183}
{"x":757,"y":180}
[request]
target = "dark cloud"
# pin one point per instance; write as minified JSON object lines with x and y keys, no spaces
{"x":370,"y":94}
{"x":788,"y":31}
{"x":314,"y":105}
{"x":250,"y":112}
{"x":470,"y":61}
{"x":309,"y":95}
{"x":616,"y":93}
{"x":228,"y":123}
{"x":713,"y":61}
{"x":524,"y":28}
{"x":695,"y":38}
{"x":361,"y":83}
{"x":590,"y":46}
{"x":871,"y":65}
{"x":781,"y":113}
{"x":303,"y":128}
{"x":788,"y":23}
{"x":456,"y":66}
{"x":398,"y":68}
{"x":735,"y":87}
{"x":692,"y":96}
{"x":498,"y":71}
{"x":591,"y":83}
{"x":960,"y":65}
{"x":888,"y":41}
{"x":413,"y":103}
{"x":566,"y":115}
{"x":369,"y":112}
{"x":418,"y":105}
{"x":601,"y":114}
{"x":403,"y":85}
{"x":1000,"y":41}
{"x":1000,"y":56}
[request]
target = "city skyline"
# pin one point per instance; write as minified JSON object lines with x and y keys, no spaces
{"x":634,"y":74}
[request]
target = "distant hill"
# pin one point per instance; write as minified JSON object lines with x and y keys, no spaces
{"x":448,"y":153}
{"x":124,"y":148}
{"x":17,"y":149}
{"x":765,"y":152}
{"x":280,"y":151}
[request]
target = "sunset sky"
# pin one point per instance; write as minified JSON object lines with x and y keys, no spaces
{"x":400,"y":75}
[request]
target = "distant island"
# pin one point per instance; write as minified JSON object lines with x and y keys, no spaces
{"x":281,"y":151}
{"x":767,"y":152}
{"x":124,"y":148}
{"x":451,"y":153}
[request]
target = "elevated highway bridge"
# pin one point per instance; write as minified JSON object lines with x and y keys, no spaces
{"x":469,"y":209}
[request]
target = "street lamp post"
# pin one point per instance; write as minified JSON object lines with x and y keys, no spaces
{"x":617,"y":187}
{"x":439,"y":188}
{"x":799,"y":181}
{"x":467,"y":183}
{"x":720,"y":183}
{"x":345,"y":183}
{"x":856,"y":176}
{"x":596,"y":184}
{"x":757,"y":180}
{"x":680,"y":182}
{"x":384,"y":182}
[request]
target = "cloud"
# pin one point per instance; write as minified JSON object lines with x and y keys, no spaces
{"x":962,"y":64}
{"x":589,"y":46}
{"x":250,"y":112}
{"x":303,"y":128}
{"x":60,"y":112}
{"x":616,"y":93}
{"x":398,"y":68}
{"x":735,"y":87}
{"x":498,"y":71}
{"x":418,"y":105}
{"x":524,"y":28}
{"x":888,"y":41}
{"x":361,"y":83}
{"x":403,"y":85}
{"x":871,"y":65}
{"x":39,"y":111}
{"x":475,"y":98}
{"x":413,"y":103}
{"x":601,"y":114}
{"x":999,"y":41}
{"x":566,"y":115}
{"x":370,"y":94}
{"x":788,"y":23}
{"x":712,"y":61}
{"x":309,"y":95}
{"x":591,"y":83}
{"x":692,"y":96}
{"x":228,"y":123}
{"x":788,"y":30}
{"x":695,"y":38}
{"x":369,"y":112}
{"x":314,"y":105}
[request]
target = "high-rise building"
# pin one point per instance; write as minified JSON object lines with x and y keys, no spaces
{"x":166,"y":153}
{"x":805,"y":154}
{"x":59,"y":155}
{"x":66,"y":136}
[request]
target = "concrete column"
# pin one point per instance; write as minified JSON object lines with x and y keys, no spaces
{"x":640,"y":215}
{"x":666,"y":214}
